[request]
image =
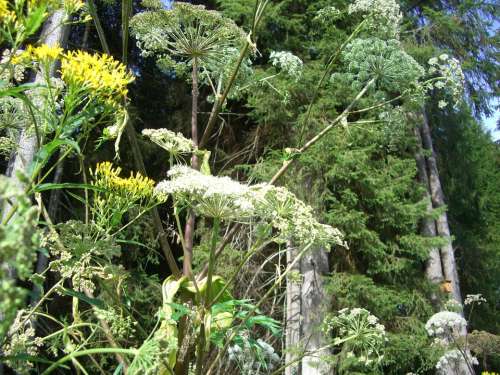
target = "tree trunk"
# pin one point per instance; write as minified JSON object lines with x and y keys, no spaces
{"x":190,"y":224}
{"x":447,"y":254}
{"x":54,"y":33}
{"x":433,"y":266}
{"x":314,"y":266}
{"x":293,"y":313}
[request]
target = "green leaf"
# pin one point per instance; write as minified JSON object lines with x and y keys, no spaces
{"x":119,"y":369}
{"x":35,"y":19}
{"x":46,"y":151}
{"x":178,"y":310}
{"x":66,"y":185}
{"x":91,"y":301}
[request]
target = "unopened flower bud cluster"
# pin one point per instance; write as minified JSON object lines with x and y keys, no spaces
{"x":254,"y":359}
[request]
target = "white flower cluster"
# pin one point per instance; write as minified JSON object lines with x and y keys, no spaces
{"x":474,"y":298}
{"x":452,"y":76}
{"x":385,"y":16}
{"x":254,"y":359}
{"x":224,"y":198}
{"x":218,"y":197}
{"x":453,"y":362}
{"x":287,"y":62}
{"x":291,"y":217}
{"x":361,"y":332}
{"x":327,"y":15}
{"x":445,"y":324}
{"x":174,"y":143}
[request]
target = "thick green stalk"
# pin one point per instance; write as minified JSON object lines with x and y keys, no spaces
{"x":82,"y":353}
{"x":327,"y":71}
{"x":260,"y":7}
{"x":100,"y":31}
{"x":211,"y":261}
{"x":322,"y":133}
{"x":126,"y":12}
{"x":191,"y":220}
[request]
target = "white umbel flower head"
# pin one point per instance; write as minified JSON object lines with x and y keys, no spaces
{"x":287,"y":62}
{"x":173,"y":143}
{"x":454,"y":362}
{"x":384,"y":16}
{"x":218,"y":197}
{"x":360,"y":332}
{"x":291,"y":217}
{"x":224,"y":198}
{"x":452,"y":77}
{"x":445,"y":324}
{"x":474,"y":298}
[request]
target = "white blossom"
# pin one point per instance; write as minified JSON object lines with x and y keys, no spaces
{"x":451,"y":75}
{"x":174,"y":143}
{"x":287,"y":62}
{"x":474,"y":298}
{"x":385,"y":16}
{"x":219,"y":197}
{"x":291,"y":217}
{"x":359,"y":329}
{"x":453,"y":361}
{"x":257,"y":358}
{"x":445,"y":324}
{"x":224,"y":198}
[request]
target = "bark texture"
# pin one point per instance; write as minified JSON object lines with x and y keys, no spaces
{"x":293,"y":314}
{"x":314,"y":266}
{"x":450,"y":272}
{"x":433,"y":267}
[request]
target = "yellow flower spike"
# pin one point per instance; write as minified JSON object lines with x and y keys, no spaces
{"x":135,"y":187}
{"x":100,"y":75}
{"x":6,"y":15}
{"x":3,"y":8}
{"x":43,"y":53}
{"x":73,"y":6}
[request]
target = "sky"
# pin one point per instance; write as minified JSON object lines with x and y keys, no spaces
{"x":491,"y":124}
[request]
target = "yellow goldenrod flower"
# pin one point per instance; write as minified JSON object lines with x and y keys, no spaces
{"x":100,"y":75}
{"x":3,"y":8}
{"x":43,"y":53}
{"x":73,"y":6}
{"x":6,"y":15}
{"x":135,"y":187}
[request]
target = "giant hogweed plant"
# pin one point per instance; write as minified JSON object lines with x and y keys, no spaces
{"x":198,"y":320}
